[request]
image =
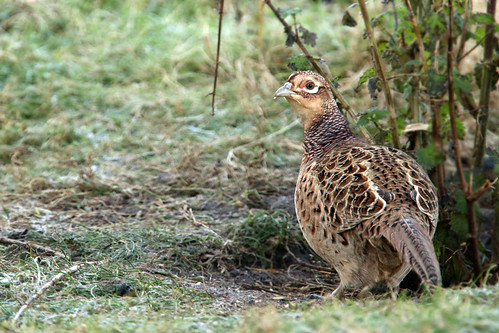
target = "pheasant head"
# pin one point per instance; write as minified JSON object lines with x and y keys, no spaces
{"x":308,"y":94}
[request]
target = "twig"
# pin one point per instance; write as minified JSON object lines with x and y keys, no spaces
{"x":464,"y":32}
{"x":158,"y":272}
{"x":289,"y":31}
{"x":214,"y":92}
{"x":31,"y":247}
{"x":304,"y":264}
{"x":470,"y":50}
{"x":381,"y":71}
{"x":44,"y":288}
{"x":204,"y":225}
{"x":394,"y":76}
{"x":474,"y":196}
{"x":286,"y":128}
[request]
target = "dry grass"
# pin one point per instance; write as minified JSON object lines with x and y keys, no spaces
{"x":109,"y":155}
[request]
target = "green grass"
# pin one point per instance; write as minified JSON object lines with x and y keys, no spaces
{"x":109,"y":155}
{"x":464,"y":310}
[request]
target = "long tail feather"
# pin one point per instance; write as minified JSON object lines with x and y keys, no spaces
{"x":410,"y":239}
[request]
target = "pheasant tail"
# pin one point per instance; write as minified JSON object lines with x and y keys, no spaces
{"x":412,"y":242}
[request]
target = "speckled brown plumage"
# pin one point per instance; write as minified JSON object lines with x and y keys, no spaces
{"x":370,"y":211}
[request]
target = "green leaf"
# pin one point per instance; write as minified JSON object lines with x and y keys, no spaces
{"x":379,"y":114}
{"x":478,"y":72}
{"x":435,"y":24}
{"x":436,"y":84}
{"x":309,"y":38}
{"x":461,"y":129}
{"x":459,"y":224}
{"x":428,"y":157}
{"x":414,"y":62}
{"x":407,"y":92}
{"x":299,"y":62}
{"x":290,"y":39}
{"x":383,"y":46}
{"x":371,"y":110}
{"x":479,"y":33}
{"x":378,"y":20}
{"x":444,"y":110}
{"x":493,"y":153}
{"x":482,"y":18}
{"x":285,"y":12}
{"x":366,"y":75}
{"x":460,"y":206}
{"x":462,"y":82}
{"x":363,"y":121}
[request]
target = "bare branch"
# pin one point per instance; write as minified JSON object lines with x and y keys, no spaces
{"x":214,"y":92}
{"x":32,"y":247}
{"x":44,"y":288}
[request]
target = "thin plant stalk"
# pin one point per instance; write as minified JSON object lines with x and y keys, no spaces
{"x":483,"y":105}
{"x":381,"y":72}
{"x":217,"y":62}
{"x":415,"y":27}
{"x":470,"y":203}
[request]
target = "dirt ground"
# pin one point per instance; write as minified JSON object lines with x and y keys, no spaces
{"x":188,"y":208}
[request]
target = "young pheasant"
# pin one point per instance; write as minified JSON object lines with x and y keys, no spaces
{"x":370,"y":211}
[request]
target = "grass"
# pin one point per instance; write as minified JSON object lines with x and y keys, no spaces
{"x":465,"y":310}
{"x":109,"y":155}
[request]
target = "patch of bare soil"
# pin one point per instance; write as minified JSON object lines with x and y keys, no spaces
{"x":198,"y":208}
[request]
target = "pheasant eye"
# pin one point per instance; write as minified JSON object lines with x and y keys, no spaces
{"x":310,"y":85}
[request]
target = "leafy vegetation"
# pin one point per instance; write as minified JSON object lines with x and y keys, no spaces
{"x":419,"y":54}
{"x":180,"y":221}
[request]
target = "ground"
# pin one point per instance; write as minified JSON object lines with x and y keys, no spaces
{"x":176,"y":219}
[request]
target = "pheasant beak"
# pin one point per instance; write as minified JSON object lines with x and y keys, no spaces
{"x":285,"y":91}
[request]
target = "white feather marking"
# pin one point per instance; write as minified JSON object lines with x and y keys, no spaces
{"x":408,"y":226}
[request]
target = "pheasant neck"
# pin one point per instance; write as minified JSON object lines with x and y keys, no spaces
{"x":327,"y":131}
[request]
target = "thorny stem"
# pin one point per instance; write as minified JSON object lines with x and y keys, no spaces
{"x":289,"y":31}
{"x":386,"y":88}
{"x":483,"y":110}
{"x":470,"y":203}
{"x":214,"y":92}
{"x":418,"y":36}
